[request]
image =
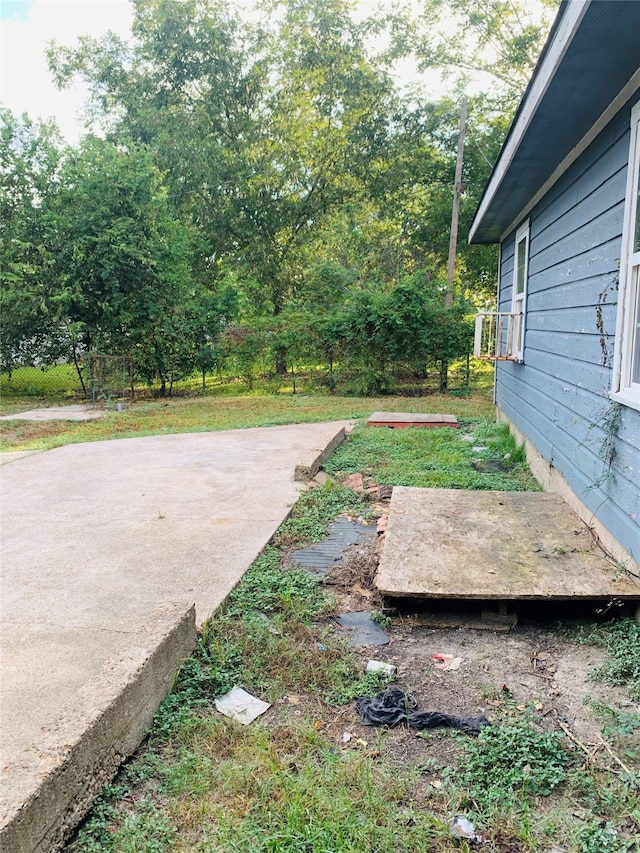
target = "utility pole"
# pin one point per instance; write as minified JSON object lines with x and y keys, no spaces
{"x":453,"y":239}
{"x":457,"y":192}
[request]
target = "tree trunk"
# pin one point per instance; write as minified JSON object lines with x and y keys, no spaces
{"x":444,"y":376}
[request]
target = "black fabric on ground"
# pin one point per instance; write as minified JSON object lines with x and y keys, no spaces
{"x":392,"y":707}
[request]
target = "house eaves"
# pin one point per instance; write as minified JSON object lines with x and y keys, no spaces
{"x":592,"y":55}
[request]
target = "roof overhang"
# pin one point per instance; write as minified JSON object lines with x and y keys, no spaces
{"x":592,"y":55}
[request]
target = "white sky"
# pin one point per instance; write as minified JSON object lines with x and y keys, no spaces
{"x":26,"y":26}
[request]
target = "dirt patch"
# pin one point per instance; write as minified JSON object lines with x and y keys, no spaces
{"x":16,"y":431}
{"x":352,"y":580}
{"x":535,"y":668}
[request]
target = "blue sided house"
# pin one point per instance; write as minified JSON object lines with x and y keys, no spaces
{"x":563,"y":203}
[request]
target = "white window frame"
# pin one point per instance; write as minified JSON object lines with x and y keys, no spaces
{"x":519,"y":296}
{"x":626,"y":365}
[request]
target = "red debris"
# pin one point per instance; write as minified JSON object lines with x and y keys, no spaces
{"x":355,"y":482}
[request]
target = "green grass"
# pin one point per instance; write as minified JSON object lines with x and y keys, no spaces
{"x":203,"y":414}
{"x":60,"y":383}
{"x":280,"y":791}
{"x":437,"y":458}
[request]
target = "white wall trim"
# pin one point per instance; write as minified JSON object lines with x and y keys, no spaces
{"x":621,"y":385}
{"x":569,"y":24}
{"x":519,"y":303}
{"x":498,"y":289}
{"x":619,"y":101}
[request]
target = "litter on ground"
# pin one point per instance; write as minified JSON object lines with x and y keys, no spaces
{"x":392,"y":707}
{"x":382,"y":666}
{"x":461,"y":827}
{"x":241,"y":706}
{"x":448,"y":663}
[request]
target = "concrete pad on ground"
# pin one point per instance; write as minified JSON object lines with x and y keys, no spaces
{"x":73,"y":412}
{"x":97,"y":536}
{"x":455,"y":544}
{"x":400,"y":420}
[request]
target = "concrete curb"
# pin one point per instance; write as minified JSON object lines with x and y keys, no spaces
{"x":83,"y":749}
{"x":305,"y":472}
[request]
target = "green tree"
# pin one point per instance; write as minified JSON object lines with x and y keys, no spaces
{"x":29,"y":159}
{"x":261,"y":134}
{"x":299,"y":172}
{"x":495,"y":41}
{"x":120,"y":269}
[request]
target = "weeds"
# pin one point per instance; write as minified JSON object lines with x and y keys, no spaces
{"x":621,"y":638}
{"x":312,"y":512}
{"x":269,"y":589}
{"x":95,"y":835}
{"x":509,"y":762}
{"x":367,"y":685}
{"x":432,"y":458}
{"x":599,"y":837}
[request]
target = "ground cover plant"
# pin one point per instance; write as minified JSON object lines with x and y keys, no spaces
{"x":558,"y":769}
{"x":479,"y":455}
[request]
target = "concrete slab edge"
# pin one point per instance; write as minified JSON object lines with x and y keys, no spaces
{"x":82,"y":751}
{"x":305,"y":472}
{"x":14,"y":455}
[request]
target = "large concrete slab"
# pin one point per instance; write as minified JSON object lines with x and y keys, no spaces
{"x":450,"y":543}
{"x":96,"y":537}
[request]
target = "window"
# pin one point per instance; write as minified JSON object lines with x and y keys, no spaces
{"x":519,"y":297}
{"x":626,"y":374}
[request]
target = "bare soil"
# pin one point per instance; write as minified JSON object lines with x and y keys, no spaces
{"x":536,"y":666}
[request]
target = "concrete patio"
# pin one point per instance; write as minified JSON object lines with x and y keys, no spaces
{"x":106,"y":548}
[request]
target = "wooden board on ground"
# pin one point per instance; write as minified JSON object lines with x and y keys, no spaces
{"x":450,"y":543}
{"x":401,"y":420}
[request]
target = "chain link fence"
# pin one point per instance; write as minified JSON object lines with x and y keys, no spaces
{"x":108,"y":380}
{"x":99,"y":380}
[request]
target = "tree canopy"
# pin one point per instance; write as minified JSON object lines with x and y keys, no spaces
{"x":258,"y":180}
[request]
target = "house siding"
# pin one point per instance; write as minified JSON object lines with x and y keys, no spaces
{"x":558,"y":397}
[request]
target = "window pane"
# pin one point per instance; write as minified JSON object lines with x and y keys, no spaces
{"x":522,"y":258}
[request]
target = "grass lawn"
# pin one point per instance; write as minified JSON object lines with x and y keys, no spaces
{"x":220,"y":412}
{"x":307,"y":777}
